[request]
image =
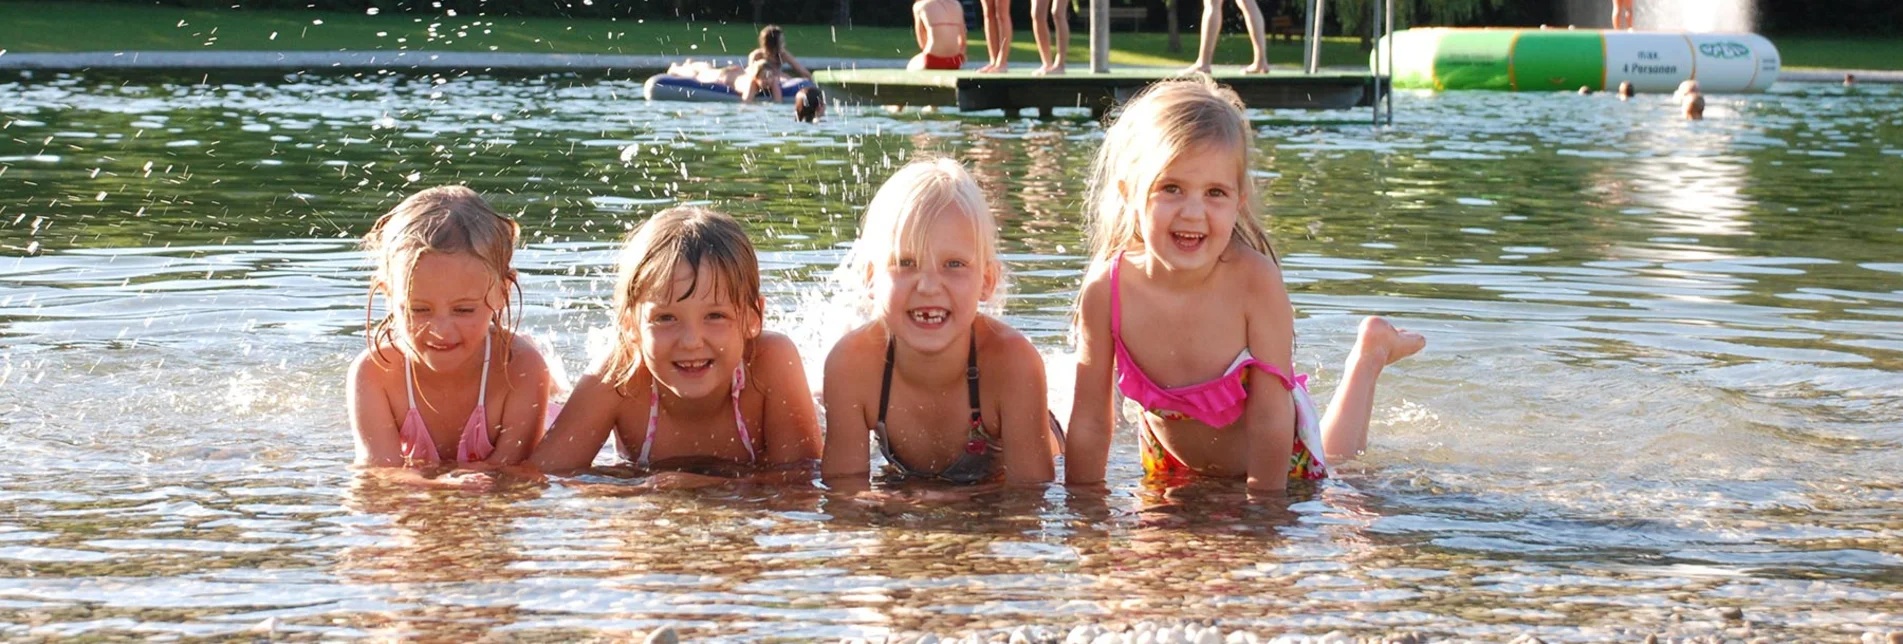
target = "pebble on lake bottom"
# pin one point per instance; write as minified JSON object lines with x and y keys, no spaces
{"x":663,"y":635}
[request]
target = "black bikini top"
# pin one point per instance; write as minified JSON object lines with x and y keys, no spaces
{"x":977,"y":464}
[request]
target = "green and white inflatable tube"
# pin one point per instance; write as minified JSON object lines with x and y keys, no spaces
{"x":1528,"y":60}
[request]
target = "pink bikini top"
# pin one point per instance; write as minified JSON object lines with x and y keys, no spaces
{"x":1216,"y":403}
{"x":419,"y":447}
{"x":654,"y":419}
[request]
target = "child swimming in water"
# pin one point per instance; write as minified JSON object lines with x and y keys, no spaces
{"x":446,"y":379}
{"x":1184,"y":313}
{"x":692,"y":382}
{"x":942,"y":390}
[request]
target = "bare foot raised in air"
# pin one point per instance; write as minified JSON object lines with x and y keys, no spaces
{"x":1380,"y":339}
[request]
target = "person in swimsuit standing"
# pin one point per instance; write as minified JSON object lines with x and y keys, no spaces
{"x":1183,"y":311}
{"x":941,"y":390}
{"x":1046,"y":14}
{"x":445,"y":378}
{"x":692,"y":381}
{"x":939,"y":27}
{"x":1621,"y":14}
{"x":1212,"y":31}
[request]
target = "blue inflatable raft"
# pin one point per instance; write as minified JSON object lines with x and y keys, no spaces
{"x":663,"y":87}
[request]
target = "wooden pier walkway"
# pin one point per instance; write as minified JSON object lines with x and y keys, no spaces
{"x":1013,"y":92}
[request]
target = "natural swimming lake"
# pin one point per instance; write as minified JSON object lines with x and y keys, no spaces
{"x":1664,"y":379}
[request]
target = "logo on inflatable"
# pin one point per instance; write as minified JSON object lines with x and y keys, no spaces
{"x":1726,"y":50}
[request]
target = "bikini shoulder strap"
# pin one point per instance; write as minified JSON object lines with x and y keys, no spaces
{"x":885,"y":385}
{"x":739,"y":420}
{"x":1116,"y":300}
{"x":482,"y":391}
{"x":971,"y":385}
{"x":409,"y":383}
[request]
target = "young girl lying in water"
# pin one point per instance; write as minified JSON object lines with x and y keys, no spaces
{"x":943,"y":391}
{"x":1183,"y":310}
{"x":445,"y":378}
{"x":692,"y":381}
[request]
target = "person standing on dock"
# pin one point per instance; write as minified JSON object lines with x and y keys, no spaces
{"x":1621,"y":14}
{"x":1212,"y":29}
{"x":939,"y":26}
{"x":1045,"y":13}
{"x":997,"y":35}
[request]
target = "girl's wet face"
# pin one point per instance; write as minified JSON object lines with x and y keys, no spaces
{"x":1190,"y":213}
{"x":928,"y":296}
{"x":444,"y":306}
{"x":692,"y":344}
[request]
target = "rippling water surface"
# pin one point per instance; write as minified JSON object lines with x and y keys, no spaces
{"x":1665,"y":378}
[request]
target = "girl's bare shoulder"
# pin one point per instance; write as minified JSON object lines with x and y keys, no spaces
{"x":377,"y":364}
{"x":1002,"y":345}
{"x":1255,"y":273}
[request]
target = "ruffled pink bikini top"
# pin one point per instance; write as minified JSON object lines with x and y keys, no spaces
{"x":414,"y":437}
{"x":1216,"y":403}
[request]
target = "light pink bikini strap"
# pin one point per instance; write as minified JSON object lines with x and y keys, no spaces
{"x":477,"y":432}
{"x":654,"y":421}
{"x":746,"y":438}
{"x":1116,"y":302}
{"x":740,"y":421}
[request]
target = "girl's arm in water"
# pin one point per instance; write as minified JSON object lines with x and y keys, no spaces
{"x":525,"y":411}
{"x":1024,"y":411}
{"x":1092,"y":414}
{"x":791,"y":423}
{"x":848,"y":448}
{"x":377,"y":442}
{"x":1269,"y":414}
{"x":584,"y":424}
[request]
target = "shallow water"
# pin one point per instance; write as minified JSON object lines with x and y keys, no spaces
{"x":1665,"y":378}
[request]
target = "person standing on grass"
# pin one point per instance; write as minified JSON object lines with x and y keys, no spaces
{"x":1043,"y":14}
{"x":1212,"y":29}
{"x":997,"y":35}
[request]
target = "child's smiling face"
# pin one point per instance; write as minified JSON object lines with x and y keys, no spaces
{"x":928,"y":296}
{"x":691,"y":342}
{"x":1189,"y":215}
{"x":445,"y":306}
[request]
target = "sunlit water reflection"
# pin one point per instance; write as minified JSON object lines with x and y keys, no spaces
{"x":1666,"y":375}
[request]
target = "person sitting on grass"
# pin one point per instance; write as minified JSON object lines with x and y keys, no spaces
{"x":939,"y":26}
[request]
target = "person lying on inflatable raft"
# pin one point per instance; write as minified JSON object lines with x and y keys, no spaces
{"x":756,"y":79}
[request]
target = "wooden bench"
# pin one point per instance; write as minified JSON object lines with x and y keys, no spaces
{"x":1136,"y":15}
{"x":1285,"y":27}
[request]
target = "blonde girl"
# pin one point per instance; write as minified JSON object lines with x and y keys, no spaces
{"x":944,"y":391}
{"x":1183,"y":311}
{"x":445,"y":378}
{"x":692,"y":381}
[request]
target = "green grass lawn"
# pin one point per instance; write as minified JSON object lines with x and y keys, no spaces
{"x":1840,"y":52}
{"x":80,"y":26}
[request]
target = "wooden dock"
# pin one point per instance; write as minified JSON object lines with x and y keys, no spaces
{"x":1013,"y":92}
